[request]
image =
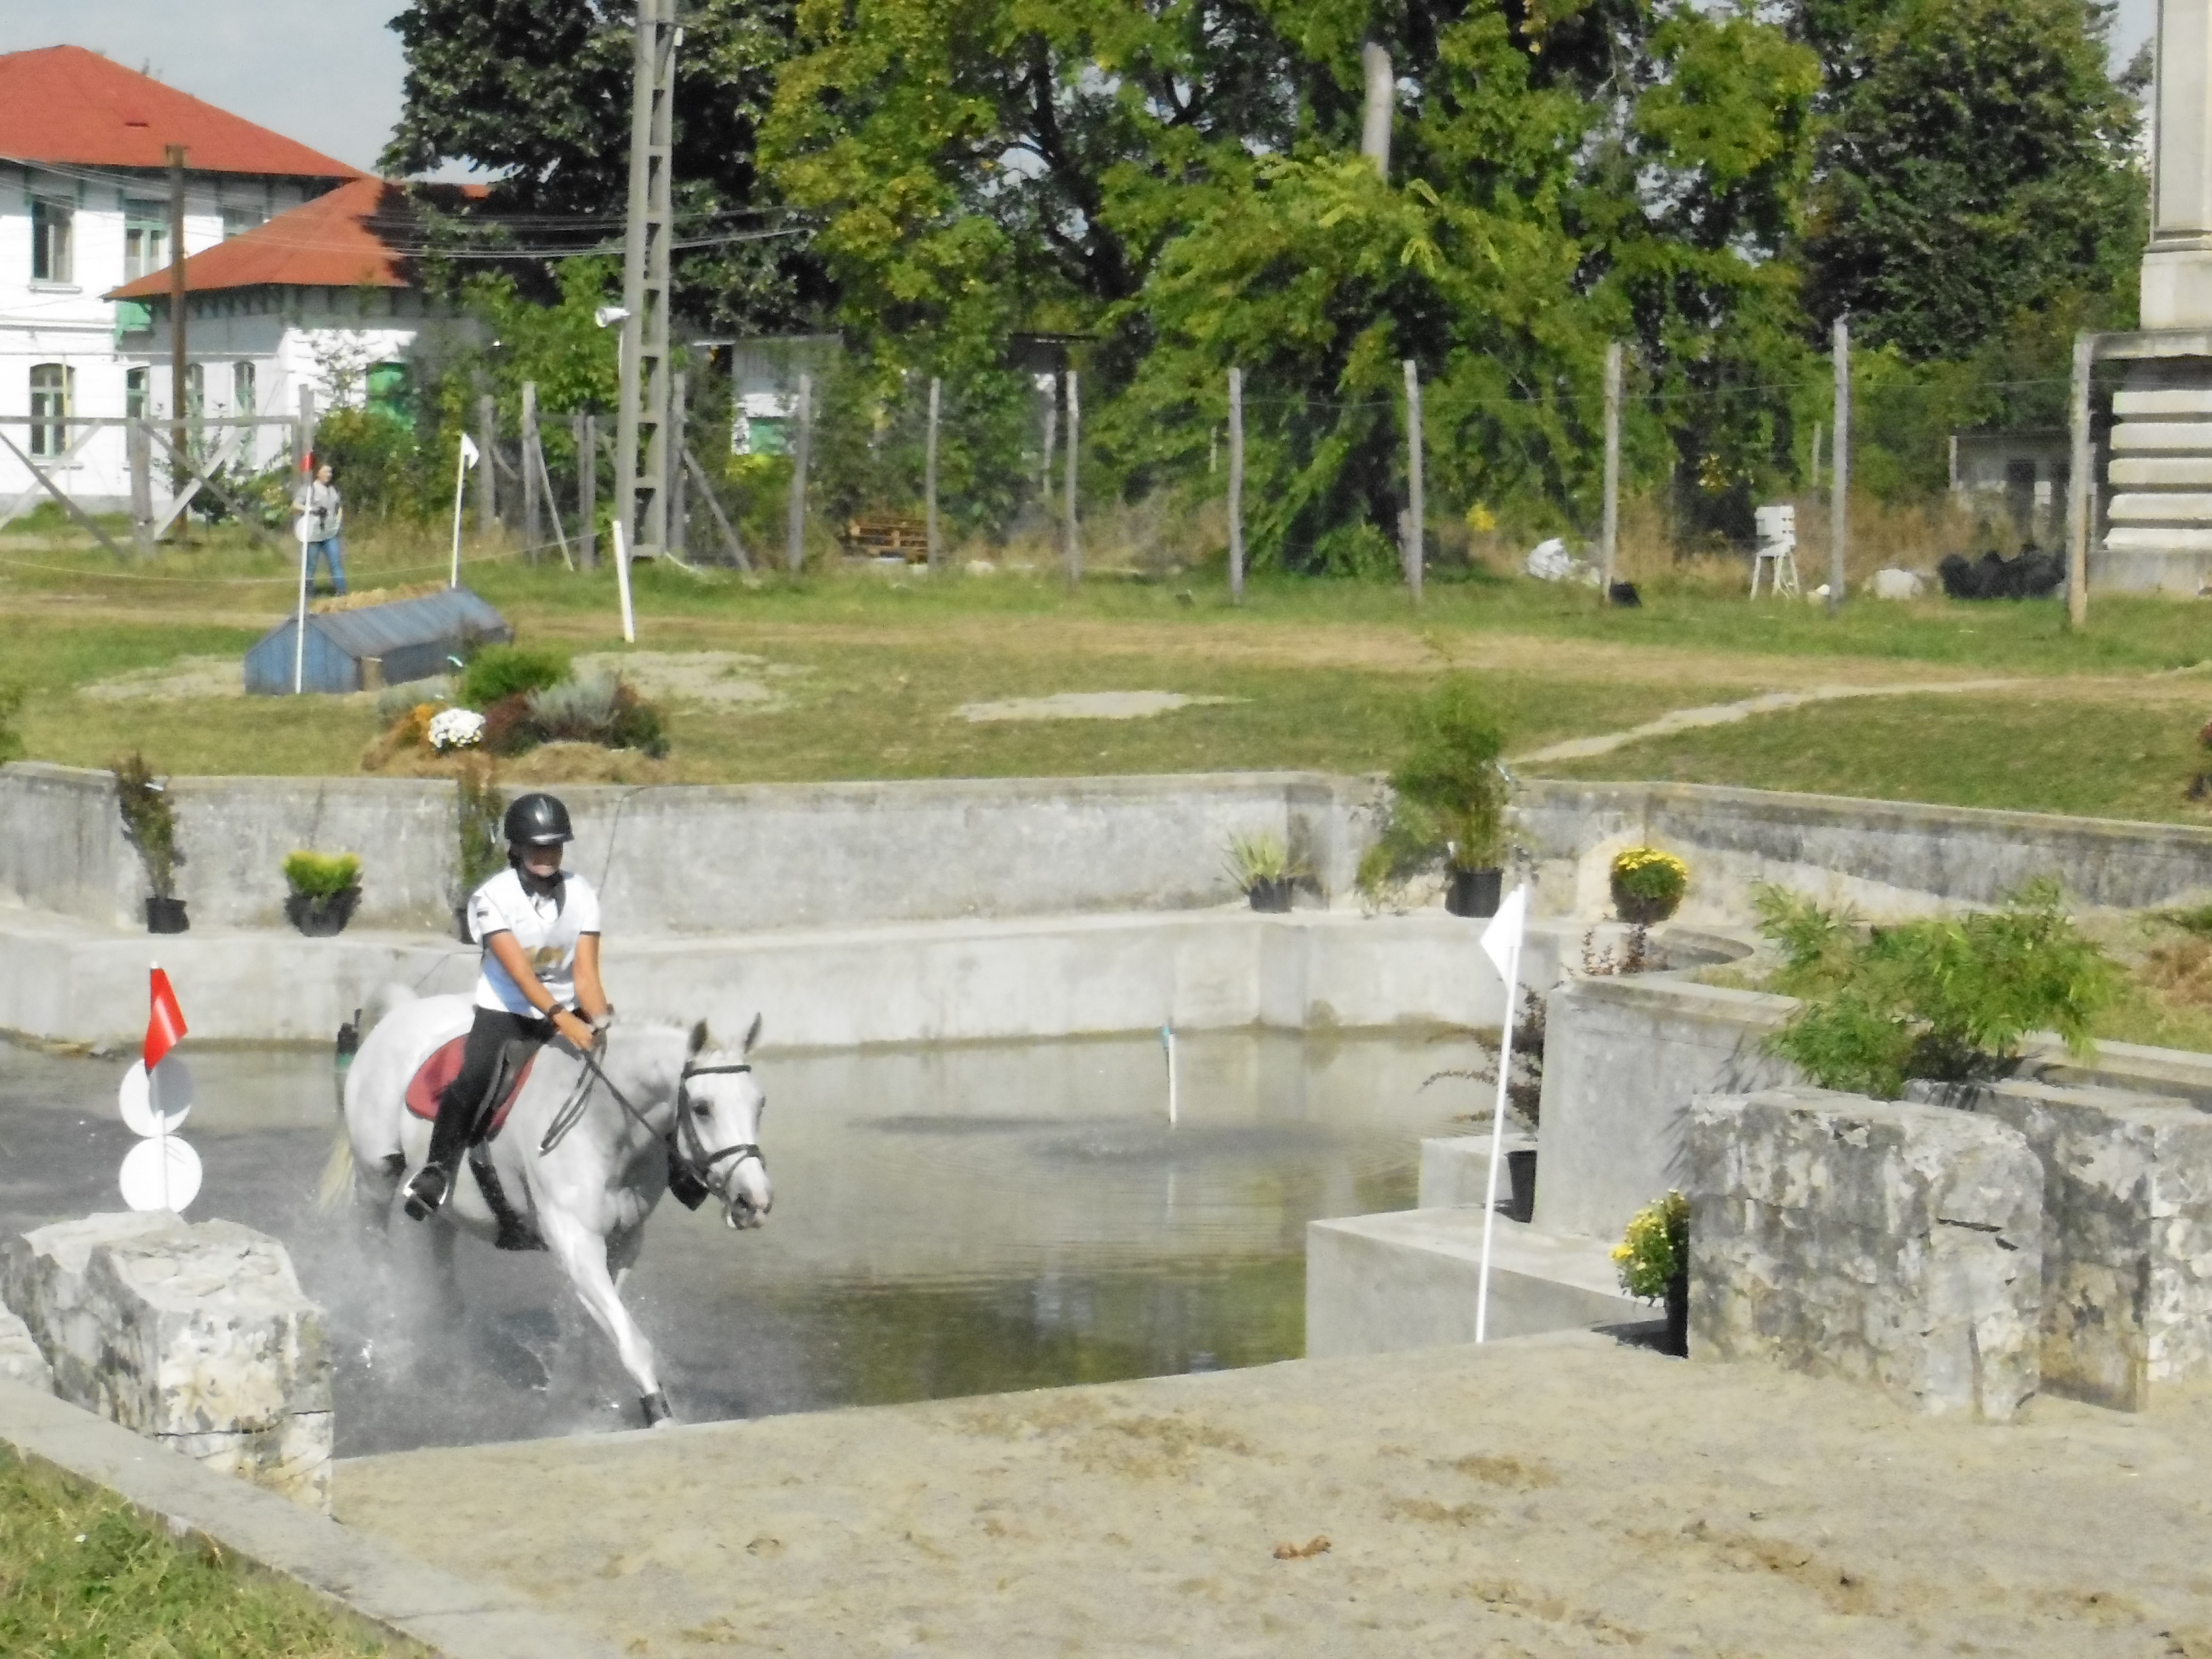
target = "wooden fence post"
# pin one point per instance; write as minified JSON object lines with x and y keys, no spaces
{"x":487,"y":468}
{"x":1237,"y":486}
{"x":1415,"y":554}
{"x":1072,"y":547}
{"x":929,"y":473}
{"x":794,"y":545}
{"x":587,"y":428}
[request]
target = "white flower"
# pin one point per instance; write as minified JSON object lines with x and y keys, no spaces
{"x":456,"y":728}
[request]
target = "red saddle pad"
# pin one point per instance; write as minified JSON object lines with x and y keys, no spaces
{"x":444,"y":1065}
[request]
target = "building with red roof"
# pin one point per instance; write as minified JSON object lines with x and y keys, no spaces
{"x":84,"y":212}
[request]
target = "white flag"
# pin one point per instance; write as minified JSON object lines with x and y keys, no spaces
{"x":469,"y":453}
{"x":1502,"y":937}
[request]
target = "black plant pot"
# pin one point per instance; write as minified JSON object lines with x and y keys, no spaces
{"x":461,"y":925}
{"x":1677,"y":1316}
{"x":1474,"y":892}
{"x":320,"y":915}
{"x":1520,"y":1170}
{"x":1642,"y":912}
{"x":166,"y":916}
{"x":1273,"y":896}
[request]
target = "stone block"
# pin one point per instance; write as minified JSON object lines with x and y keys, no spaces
{"x":1884,"y":1242}
{"x":21,"y":1361}
{"x":2127,"y":1234}
{"x":195,"y":1335}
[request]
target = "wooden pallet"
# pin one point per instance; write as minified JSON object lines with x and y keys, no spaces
{"x":886,"y":535}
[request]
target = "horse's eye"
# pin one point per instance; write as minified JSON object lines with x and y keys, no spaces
{"x":700,"y":1108}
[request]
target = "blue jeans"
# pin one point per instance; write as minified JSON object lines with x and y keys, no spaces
{"x":332,"y":553}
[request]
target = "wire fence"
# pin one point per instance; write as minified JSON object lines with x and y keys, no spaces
{"x":802,"y":455}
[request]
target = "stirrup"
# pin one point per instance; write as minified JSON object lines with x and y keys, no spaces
{"x":427,"y":1192}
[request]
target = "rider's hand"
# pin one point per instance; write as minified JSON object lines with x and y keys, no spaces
{"x":578,"y":1034}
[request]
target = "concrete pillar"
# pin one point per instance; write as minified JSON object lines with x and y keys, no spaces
{"x":2160,"y":512}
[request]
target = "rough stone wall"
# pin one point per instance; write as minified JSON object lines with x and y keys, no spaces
{"x":20,"y":1359}
{"x":198,"y":1336}
{"x":1888,"y":1242}
{"x":2127,"y":1234}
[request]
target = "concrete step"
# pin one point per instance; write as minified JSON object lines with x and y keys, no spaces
{"x":1380,"y":1283}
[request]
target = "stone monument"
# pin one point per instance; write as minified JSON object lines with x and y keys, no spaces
{"x":2158,"y":533}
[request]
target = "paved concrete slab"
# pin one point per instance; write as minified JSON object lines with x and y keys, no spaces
{"x":393,"y":1594}
{"x":1546,"y":1497}
{"x":1408,"y":1278}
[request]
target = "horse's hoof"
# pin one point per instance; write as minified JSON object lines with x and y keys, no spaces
{"x":656,"y":1409}
{"x":426,"y":1194}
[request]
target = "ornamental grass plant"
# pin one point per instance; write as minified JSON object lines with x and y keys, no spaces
{"x":1944,"y":998}
{"x":322,"y":875}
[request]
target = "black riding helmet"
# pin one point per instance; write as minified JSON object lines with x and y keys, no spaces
{"x":538,"y":820}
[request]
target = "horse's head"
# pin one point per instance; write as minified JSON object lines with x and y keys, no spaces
{"x":718,"y":1113}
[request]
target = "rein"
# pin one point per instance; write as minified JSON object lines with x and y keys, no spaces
{"x":685,"y":1150}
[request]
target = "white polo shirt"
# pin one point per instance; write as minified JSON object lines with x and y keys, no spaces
{"x":546,"y":929}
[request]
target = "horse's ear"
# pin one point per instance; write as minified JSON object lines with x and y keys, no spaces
{"x":698,"y":1041}
{"x":752,"y":1036}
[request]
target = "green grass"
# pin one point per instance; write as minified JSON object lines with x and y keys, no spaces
{"x":1318,"y":673}
{"x":2044,"y":750}
{"x":82,"y":1577}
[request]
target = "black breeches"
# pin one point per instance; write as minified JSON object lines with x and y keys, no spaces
{"x":489,"y":1037}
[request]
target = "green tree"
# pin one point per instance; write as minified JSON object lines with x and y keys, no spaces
{"x":539,"y":91}
{"x":1979,"y":162}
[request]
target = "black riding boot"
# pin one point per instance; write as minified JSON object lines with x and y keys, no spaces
{"x":433,"y":1183}
{"x":459,"y":1104}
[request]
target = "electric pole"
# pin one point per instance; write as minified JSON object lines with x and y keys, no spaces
{"x":178,"y":369}
{"x":641,"y":437}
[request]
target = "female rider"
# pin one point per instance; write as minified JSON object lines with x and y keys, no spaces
{"x":539,"y":927}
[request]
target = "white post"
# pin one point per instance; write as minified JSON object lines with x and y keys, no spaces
{"x":621,"y":579}
{"x":1168,"y":1042}
{"x":460,"y":480}
{"x":1237,"y":486}
{"x":300,"y":628}
{"x":1501,"y":942}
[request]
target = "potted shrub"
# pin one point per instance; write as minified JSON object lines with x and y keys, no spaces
{"x":1447,"y":801}
{"x":1648,"y":885}
{"x":149,"y":824}
{"x":325,"y":887}
{"x":1265,"y":869}
{"x":477,"y":855}
{"x":1653,"y":1257}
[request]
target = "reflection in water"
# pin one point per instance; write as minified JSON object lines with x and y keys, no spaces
{"x":949,"y":1220}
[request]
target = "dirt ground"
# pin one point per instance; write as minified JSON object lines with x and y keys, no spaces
{"x":1551,"y":1497}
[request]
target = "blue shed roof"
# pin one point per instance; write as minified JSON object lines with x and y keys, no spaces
{"x":410,"y":636}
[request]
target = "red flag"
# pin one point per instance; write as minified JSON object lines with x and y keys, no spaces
{"x":165,"y":1026}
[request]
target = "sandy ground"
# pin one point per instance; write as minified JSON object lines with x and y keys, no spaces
{"x":1550,"y":1497}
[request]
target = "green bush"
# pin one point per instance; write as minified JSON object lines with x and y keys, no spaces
{"x":478,"y":814}
{"x":1447,"y":794}
{"x":1941,"y":998}
{"x":322,"y":875}
{"x":497,"y":672}
{"x":150,"y":823}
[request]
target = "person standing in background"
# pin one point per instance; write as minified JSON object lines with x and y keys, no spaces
{"x":322,"y":527}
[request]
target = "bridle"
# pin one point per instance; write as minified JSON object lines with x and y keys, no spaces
{"x":691,"y":1164}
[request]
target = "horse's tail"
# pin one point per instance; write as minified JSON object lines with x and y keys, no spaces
{"x":337,"y":1184}
{"x":338,"y":1173}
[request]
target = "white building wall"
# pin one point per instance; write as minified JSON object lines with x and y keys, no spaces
{"x":72,"y":324}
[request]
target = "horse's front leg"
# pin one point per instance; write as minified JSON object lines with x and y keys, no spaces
{"x":584,"y":1255}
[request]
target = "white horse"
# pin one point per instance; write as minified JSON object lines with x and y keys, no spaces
{"x":587,"y":1149}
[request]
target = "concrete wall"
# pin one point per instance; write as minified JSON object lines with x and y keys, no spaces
{"x":1380,"y":1283}
{"x":1886,"y":857}
{"x":2127,"y":1234}
{"x":694,"y":860}
{"x":1891,"y":1243}
{"x":1622,"y":1058}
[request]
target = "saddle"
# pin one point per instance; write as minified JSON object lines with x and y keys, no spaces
{"x":429,"y":1081}
{"x":432,"y":1077}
